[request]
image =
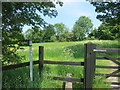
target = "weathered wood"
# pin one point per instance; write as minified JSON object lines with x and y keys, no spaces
{"x":64,"y":62}
{"x":18,"y":65}
{"x":108,"y":67}
{"x":89,"y":65}
{"x":115,"y":88}
{"x":107,"y":50}
{"x":68,"y":79}
{"x":117,"y":71}
{"x":112,"y":59}
{"x":40,"y":61}
{"x":107,"y":58}
{"x":68,"y":85}
{"x":115,"y":83}
{"x":99,"y":74}
{"x":41,"y":58}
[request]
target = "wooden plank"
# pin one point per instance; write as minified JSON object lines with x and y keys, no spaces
{"x":89,"y":67}
{"x":107,"y":50}
{"x":115,"y":83}
{"x":18,"y":65}
{"x":68,"y":79}
{"x":68,"y":85}
{"x":64,"y":62}
{"x":108,"y":67}
{"x":107,"y":58}
{"x":38,"y":61}
{"x":117,"y":71}
{"x":115,"y":88}
{"x":112,"y":59}
{"x":99,"y":74}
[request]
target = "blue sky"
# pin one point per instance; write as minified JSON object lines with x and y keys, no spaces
{"x":70,"y":12}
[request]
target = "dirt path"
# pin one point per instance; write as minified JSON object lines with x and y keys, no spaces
{"x":113,"y":79}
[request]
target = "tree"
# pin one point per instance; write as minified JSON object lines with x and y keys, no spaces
{"x":105,"y":32}
{"x":109,"y":12}
{"x":17,"y":14}
{"x":82,"y":28}
{"x":60,"y":29}
{"x":94,"y":34}
{"x":36,"y":33}
{"x":49,"y":31}
{"x":65,"y":35}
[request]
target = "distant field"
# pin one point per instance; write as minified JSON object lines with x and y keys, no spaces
{"x":61,"y":51}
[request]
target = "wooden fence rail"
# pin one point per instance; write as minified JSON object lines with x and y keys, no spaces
{"x":18,"y":65}
{"x":64,"y":62}
{"x":108,"y":67}
{"x":107,"y":58}
{"x":43,"y":62}
{"x":68,"y":79}
{"x":99,"y":74}
{"x":117,"y":50}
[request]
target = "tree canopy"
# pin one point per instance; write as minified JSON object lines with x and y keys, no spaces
{"x":82,"y":27}
{"x":61,"y":31}
{"x":108,"y":11}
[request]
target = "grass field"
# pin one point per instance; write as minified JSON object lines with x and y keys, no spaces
{"x":61,"y":51}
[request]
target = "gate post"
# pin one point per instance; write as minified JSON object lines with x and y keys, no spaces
{"x":41,"y":58}
{"x":89,"y":65}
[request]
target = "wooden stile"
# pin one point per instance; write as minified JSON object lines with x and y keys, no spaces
{"x":68,"y":85}
{"x":68,"y":79}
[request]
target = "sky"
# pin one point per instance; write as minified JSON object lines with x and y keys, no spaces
{"x":70,"y":12}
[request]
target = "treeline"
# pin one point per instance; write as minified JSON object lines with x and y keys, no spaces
{"x":17,"y":14}
{"x":82,"y":30}
{"x":50,"y":33}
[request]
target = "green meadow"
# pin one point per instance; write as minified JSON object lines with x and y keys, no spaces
{"x":59,"y":51}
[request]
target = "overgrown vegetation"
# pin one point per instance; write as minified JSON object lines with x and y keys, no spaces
{"x":61,"y":51}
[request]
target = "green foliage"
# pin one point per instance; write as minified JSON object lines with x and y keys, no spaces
{"x":99,"y":83}
{"x":17,"y":14}
{"x":82,"y":27}
{"x":105,"y":32}
{"x":76,"y":50}
{"x":11,"y":54}
{"x":49,"y":31}
{"x":36,"y":33}
{"x":57,"y":32}
{"x":109,"y":13}
{"x":62,"y":33}
{"x":53,"y":38}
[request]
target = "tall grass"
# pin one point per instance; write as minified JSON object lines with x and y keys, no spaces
{"x":62,"y":51}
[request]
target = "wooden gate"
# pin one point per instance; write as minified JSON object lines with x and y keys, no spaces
{"x":89,"y":65}
{"x":103,"y":52}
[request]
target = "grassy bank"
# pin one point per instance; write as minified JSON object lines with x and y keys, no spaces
{"x":61,"y":51}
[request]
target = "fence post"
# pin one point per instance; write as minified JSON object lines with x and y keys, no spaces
{"x":41,"y":58}
{"x":89,"y":65}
